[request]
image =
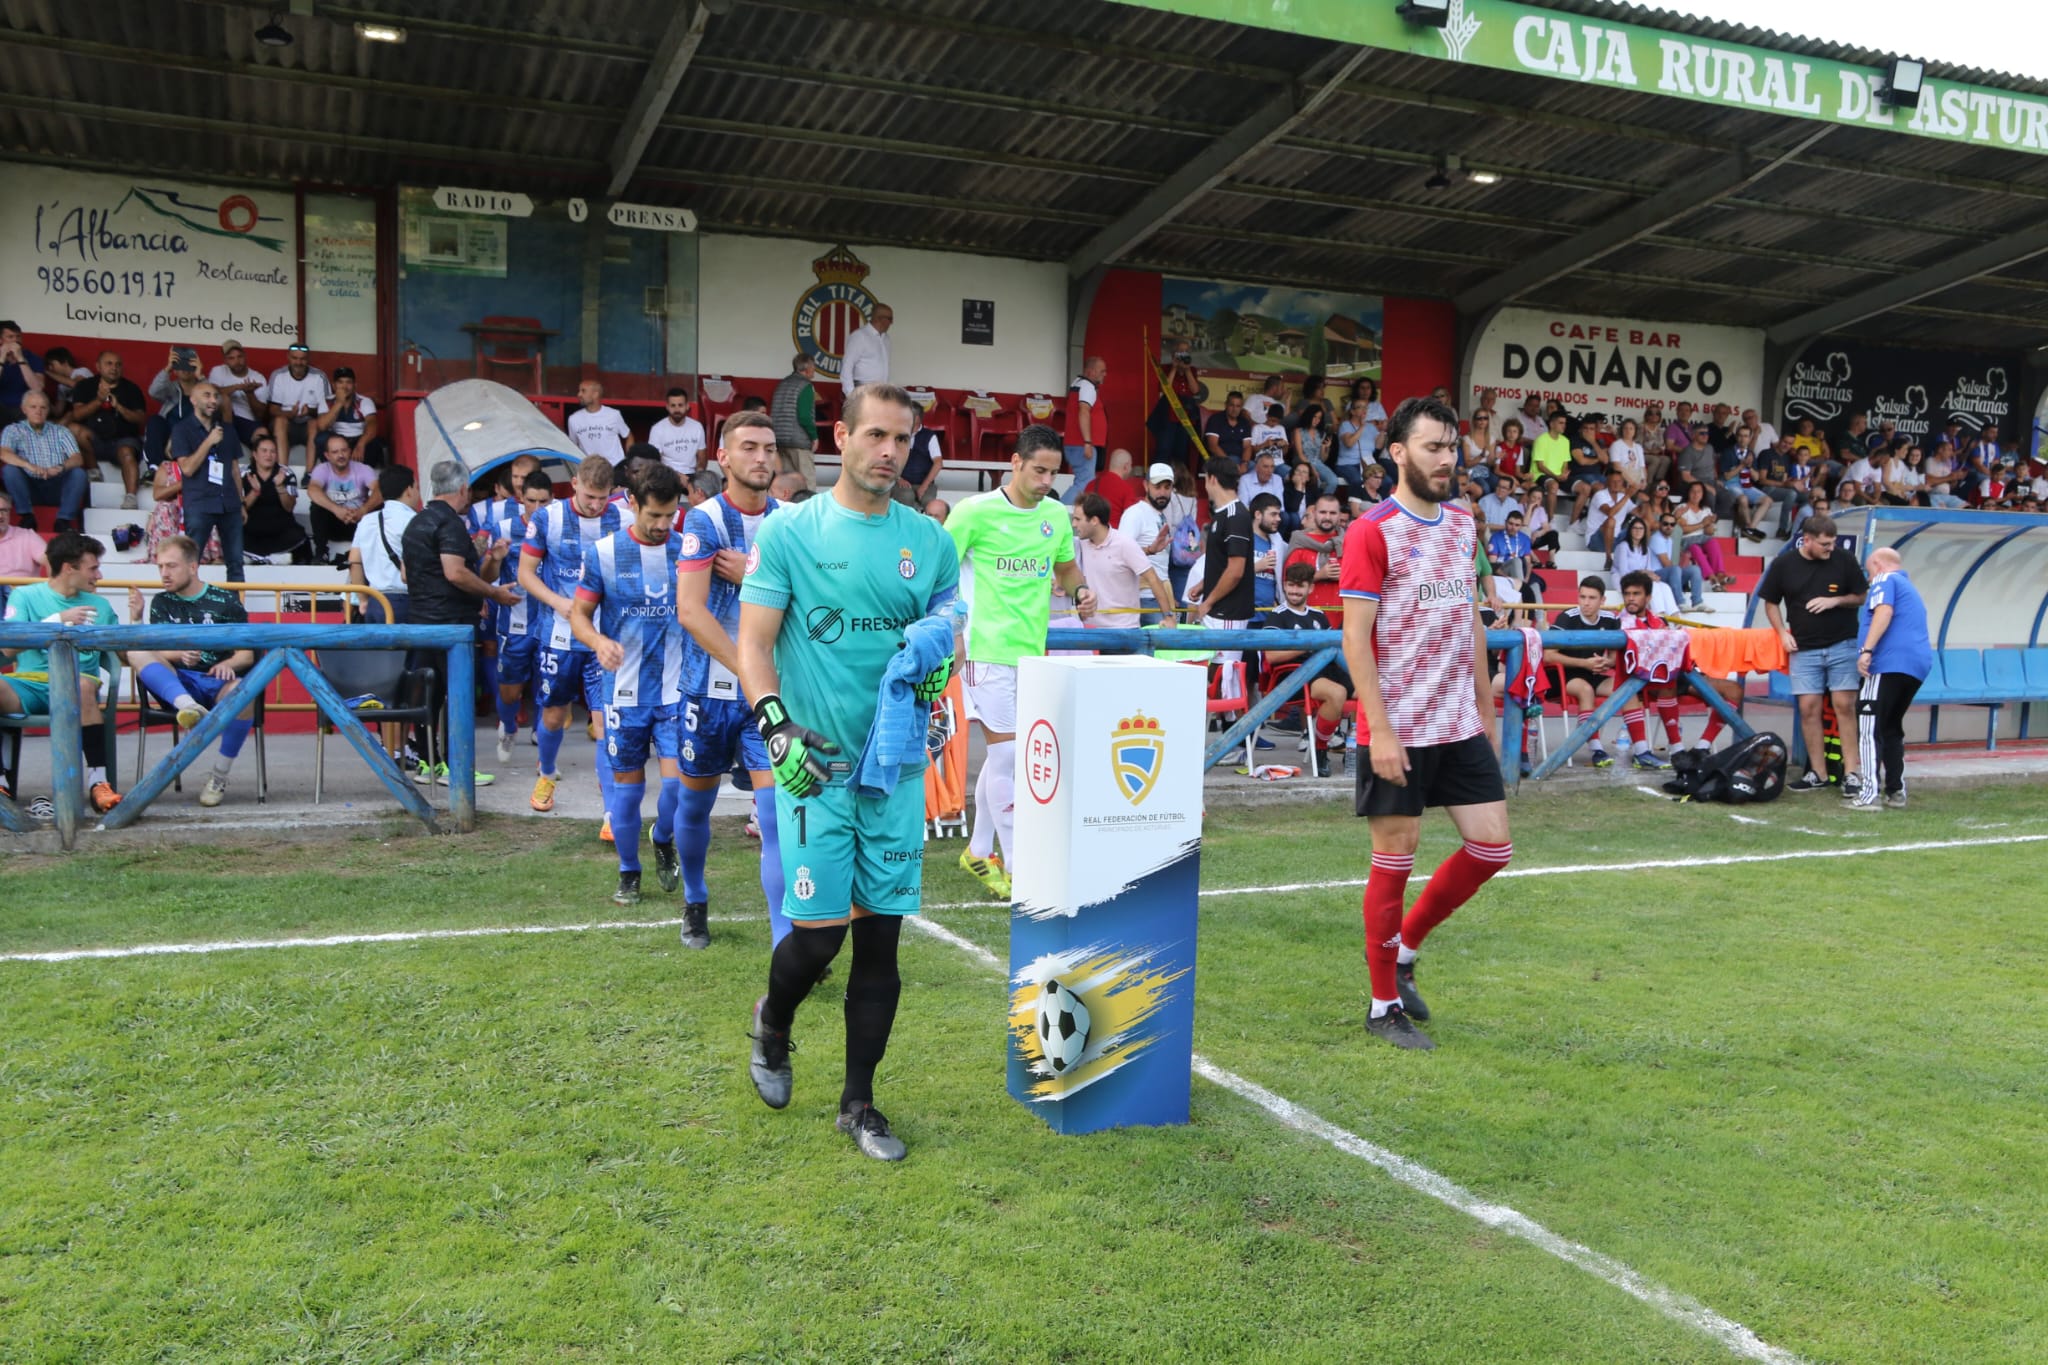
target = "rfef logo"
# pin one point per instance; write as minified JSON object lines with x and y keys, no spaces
{"x":1137,"y":751}
{"x":1042,"y":762}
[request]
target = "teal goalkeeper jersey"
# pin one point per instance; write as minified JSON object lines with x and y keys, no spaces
{"x":848,"y":585}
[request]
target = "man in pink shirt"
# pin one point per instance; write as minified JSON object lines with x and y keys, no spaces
{"x":1114,"y":566}
{"x":21,"y":550}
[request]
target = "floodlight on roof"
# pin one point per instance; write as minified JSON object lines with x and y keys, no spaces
{"x":274,"y":34}
{"x":1485,"y":177}
{"x":1434,"y":13}
{"x":379,"y":33}
{"x":1904,"y":78}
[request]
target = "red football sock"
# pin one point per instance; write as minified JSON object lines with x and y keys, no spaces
{"x":1634,"y":721}
{"x":1450,"y":886}
{"x":1325,"y":729}
{"x":1385,"y":890}
{"x":1667,"y":711}
{"x":1714,"y":727}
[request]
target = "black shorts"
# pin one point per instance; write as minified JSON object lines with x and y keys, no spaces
{"x":1463,"y":773}
{"x":1588,"y":676}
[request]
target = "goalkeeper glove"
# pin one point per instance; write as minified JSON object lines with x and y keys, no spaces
{"x":932,"y":685}
{"x":794,"y":753}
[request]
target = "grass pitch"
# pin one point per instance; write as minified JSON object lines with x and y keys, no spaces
{"x":1807,"y":1093}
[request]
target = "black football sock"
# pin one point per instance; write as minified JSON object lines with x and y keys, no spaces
{"x":872,"y":989}
{"x":92,"y":741}
{"x":794,"y":968}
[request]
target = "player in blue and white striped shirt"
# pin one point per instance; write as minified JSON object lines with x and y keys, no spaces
{"x":625,"y":615}
{"x":518,"y":646}
{"x":550,"y":564}
{"x":717,"y":724}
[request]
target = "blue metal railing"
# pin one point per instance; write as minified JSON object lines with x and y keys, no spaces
{"x":284,"y":648}
{"x":1326,"y":647}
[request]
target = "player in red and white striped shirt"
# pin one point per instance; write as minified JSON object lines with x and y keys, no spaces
{"x":1417,"y":653}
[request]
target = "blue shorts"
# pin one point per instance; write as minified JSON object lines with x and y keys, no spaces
{"x":518,"y":656}
{"x":204,"y":687}
{"x":566,"y":674}
{"x":34,"y":691}
{"x":629,"y":732}
{"x":840,"y":850}
{"x":1825,"y":670}
{"x":718,"y":732}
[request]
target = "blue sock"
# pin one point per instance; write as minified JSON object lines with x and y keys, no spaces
{"x":693,"y":840}
{"x":487,"y":665}
{"x":771,"y":863}
{"x":622,"y":803}
{"x":665,"y":807}
{"x":508,"y":715}
{"x":605,"y":784}
{"x":550,"y":750}
{"x":231,"y":738}
{"x":161,"y":681}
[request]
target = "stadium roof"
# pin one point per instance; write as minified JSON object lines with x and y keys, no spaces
{"x":1032,"y":130}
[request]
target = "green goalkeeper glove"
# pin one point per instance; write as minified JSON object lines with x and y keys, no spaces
{"x":794,"y":753}
{"x":932,"y":685}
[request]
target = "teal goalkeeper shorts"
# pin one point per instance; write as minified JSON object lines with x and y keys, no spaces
{"x":840,"y":850}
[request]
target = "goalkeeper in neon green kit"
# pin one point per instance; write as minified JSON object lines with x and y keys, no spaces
{"x":832,"y":584}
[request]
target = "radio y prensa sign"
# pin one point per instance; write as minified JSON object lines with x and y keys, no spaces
{"x":1617,"y":365}
{"x":118,"y":257}
{"x":1507,"y":36}
{"x":1918,"y":392}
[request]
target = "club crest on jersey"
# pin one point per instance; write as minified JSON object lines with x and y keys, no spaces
{"x":1137,"y":751}
{"x":1045,"y":528}
{"x":753,"y":559}
{"x":906,"y":567}
{"x":691,"y":545}
{"x":803,"y":888}
{"x":832,"y":310}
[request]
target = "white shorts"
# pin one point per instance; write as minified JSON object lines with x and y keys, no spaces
{"x":992,"y":696}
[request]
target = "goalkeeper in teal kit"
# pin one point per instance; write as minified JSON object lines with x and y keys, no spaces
{"x":836,"y":587}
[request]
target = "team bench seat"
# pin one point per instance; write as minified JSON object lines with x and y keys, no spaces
{"x":1990,"y":678}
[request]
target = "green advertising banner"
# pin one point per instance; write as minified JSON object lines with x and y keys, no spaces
{"x":1505,"y":36}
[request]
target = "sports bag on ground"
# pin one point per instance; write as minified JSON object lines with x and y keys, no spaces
{"x":1749,"y":770}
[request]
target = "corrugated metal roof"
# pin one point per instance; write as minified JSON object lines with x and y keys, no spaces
{"x":1022,"y":130}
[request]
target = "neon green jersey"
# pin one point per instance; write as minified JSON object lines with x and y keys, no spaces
{"x":1010,"y":553}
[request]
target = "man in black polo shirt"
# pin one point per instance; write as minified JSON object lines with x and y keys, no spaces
{"x":209,"y":455}
{"x":1818,"y":588}
{"x":1587,"y":670}
{"x":1226,"y":432}
{"x":449,"y":579}
{"x":1227,"y":589}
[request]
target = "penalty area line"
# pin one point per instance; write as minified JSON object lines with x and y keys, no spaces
{"x":1679,"y":1308}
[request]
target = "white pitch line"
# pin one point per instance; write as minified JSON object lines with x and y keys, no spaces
{"x":420,"y":935}
{"x":1680,"y":1308}
{"x":343,"y":940}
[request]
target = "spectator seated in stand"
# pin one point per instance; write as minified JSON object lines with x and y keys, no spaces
{"x":247,"y":392}
{"x":192,"y":682}
{"x":1607,"y":513}
{"x":355,"y":416}
{"x":299,"y":395}
{"x":41,"y":463}
{"x":270,"y":499}
{"x":21,"y":550}
{"x":343,"y":492}
{"x":21,"y":373}
{"x":111,"y":412}
{"x":172,"y":389}
{"x":1331,"y":690}
{"x":67,"y":596}
{"x":1263,"y":479}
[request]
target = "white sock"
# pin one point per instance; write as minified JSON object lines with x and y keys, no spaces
{"x":1406,"y":957}
{"x":1380,"y":1007}
{"x":95,"y":776}
{"x":982,"y":841}
{"x":1642,"y":746}
{"x":1002,"y":792}
{"x":222,"y":765}
{"x":183,"y":701}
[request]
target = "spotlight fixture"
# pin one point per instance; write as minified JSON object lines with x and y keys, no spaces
{"x":274,"y":34}
{"x":379,"y":33}
{"x":1437,"y":181}
{"x":1433,"y":13}
{"x":1903,"y":81}
{"x":1486,"y":177}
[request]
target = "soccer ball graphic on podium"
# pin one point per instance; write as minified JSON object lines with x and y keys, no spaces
{"x":1062,"y":1027}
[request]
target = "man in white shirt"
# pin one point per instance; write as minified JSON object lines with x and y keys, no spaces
{"x":298,"y":394}
{"x":596,"y":429}
{"x":376,"y":556}
{"x":1260,"y":406}
{"x":867,"y":351}
{"x":679,"y":437}
{"x":247,"y":392}
{"x":1264,"y":478}
{"x":1149,"y":522}
{"x":1766,"y":435}
{"x":1607,"y":513}
{"x":354,"y":416}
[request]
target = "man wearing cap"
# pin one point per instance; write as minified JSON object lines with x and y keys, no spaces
{"x":298,"y":394}
{"x":246,"y":392}
{"x":354,"y":416}
{"x":1150,"y":521}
